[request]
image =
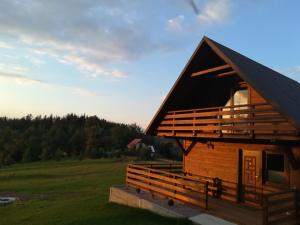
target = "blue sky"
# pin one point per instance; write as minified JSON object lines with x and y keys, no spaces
{"x":118,"y":59}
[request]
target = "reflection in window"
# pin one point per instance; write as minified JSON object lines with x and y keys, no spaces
{"x":238,"y":98}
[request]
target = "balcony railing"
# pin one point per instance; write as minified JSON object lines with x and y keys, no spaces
{"x":259,"y":121}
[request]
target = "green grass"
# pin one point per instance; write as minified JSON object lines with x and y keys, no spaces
{"x":69,"y":193}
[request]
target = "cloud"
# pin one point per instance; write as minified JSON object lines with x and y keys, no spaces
{"x":291,"y":71}
{"x":175,"y":24}
{"x":83,"y":92}
{"x":5,"y":45}
{"x":208,"y":13}
{"x":12,"y":68}
{"x":89,"y":34}
{"x":96,"y":36}
{"x":17,"y":73}
{"x":215,"y":11}
{"x":118,"y":74}
{"x":19,"y":79}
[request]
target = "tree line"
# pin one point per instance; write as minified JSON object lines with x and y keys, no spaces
{"x":38,"y":138}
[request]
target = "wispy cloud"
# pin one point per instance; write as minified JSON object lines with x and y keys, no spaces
{"x":13,"y":68}
{"x":118,"y":74}
{"x":175,"y":24}
{"x":211,"y":12}
{"x":18,"y":74}
{"x":19,"y":79}
{"x":215,"y":11}
{"x":5,"y":45}
{"x":82,"y":91}
{"x":290,"y":71}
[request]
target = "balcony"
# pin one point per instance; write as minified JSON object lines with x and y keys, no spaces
{"x":255,"y":121}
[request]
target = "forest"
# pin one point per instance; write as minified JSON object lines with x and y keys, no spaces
{"x":29,"y":139}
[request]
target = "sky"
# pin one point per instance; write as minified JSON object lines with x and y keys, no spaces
{"x":118,"y":59}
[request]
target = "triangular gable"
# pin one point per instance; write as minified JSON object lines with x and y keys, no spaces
{"x":281,"y":92}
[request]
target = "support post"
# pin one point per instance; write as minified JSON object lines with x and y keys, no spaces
{"x":206,"y":195}
{"x":296,"y":202}
{"x":265,"y":210}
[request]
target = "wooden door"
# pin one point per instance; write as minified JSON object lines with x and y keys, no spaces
{"x":250,"y":173}
{"x":252,"y":180}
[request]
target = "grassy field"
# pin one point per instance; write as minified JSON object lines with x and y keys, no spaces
{"x":69,"y":192}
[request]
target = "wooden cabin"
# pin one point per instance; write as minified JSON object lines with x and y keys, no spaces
{"x":237,"y":123}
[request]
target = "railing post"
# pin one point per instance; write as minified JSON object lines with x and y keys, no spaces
{"x":265,"y":210}
{"x":173,"y":124}
{"x":296,"y":202}
{"x":219,"y":122}
{"x":252,"y":108}
{"x":206,"y":195}
{"x":126,"y":175}
{"x":149,"y":176}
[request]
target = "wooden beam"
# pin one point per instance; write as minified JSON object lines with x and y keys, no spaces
{"x":225,"y":74}
{"x":185,"y":151}
{"x":202,"y":72}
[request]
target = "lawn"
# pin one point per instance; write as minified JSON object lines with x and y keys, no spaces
{"x":69,"y":192}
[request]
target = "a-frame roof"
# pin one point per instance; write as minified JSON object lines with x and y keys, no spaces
{"x":278,"y":90}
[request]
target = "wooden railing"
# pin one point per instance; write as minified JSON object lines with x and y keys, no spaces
{"x":177,"y":187}
{"x":278,"y":207}
{"x":168,"y":167}
{"x":258,"y":121}
{"x":281,"y":208}
{"x":234,"y":192}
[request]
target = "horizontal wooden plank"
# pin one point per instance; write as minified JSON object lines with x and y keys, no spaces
{"x":229,"y":136}
{"x":286,"y":220}
{"x":283,"y":192}
{"x":134,"y":166}
{"x":210,"y":70}
{"x":252,"y":106}
{"x":193,"y":185}
{"x":281,"y":210}
{"x":281,"y":201}
{"x":225,"y":74}
{"x":228,"y":127}
{"x":221,"y":113}
{"x":263,"y":119}
{"x":171,"y":187}
{"x":198,"y":202}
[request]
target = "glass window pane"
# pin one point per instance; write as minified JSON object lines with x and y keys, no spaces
{"x":240,"y":97}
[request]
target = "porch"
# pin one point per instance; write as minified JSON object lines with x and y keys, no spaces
{"x":171,"y":186}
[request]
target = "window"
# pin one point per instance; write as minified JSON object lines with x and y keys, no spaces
{"x":240,"y":97}
{"x":275,"y":167}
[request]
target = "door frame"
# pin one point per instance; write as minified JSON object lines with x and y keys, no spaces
{"x":241,"y":158}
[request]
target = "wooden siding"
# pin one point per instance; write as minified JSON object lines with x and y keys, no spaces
{"x":219,"y":162}
{"x":255,"y":98}
{"x":221,"y":159}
